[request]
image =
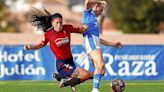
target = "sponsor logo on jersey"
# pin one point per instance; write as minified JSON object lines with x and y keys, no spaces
{"x":61,"y":41}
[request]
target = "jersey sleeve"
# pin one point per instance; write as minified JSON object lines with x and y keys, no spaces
{"x":74,"y":29}
{"x":45,"y":39}
{"x":87,"y":11}
{"x":86,"y":16}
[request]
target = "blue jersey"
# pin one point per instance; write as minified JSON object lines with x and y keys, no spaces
{"x":90,"y":19}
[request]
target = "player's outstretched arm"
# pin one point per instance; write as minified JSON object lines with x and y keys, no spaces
{"x":33,"y":47}
{"x":89,"y":3}
{"x":114,"y":44}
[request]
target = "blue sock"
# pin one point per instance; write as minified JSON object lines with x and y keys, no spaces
{"x":96,"y":80}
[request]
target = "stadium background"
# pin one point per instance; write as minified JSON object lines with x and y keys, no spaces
{"x":145,"y":51}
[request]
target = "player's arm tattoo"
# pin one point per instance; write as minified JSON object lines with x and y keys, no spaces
{"x":75,"y":74}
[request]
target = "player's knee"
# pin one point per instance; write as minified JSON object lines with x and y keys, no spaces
{"x":103,"y":64}
{"x":85,"y":74}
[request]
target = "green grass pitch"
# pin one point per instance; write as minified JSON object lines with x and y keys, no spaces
{"x":52,"y":86}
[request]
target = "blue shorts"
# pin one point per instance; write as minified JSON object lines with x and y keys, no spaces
{"x":65,"y":67}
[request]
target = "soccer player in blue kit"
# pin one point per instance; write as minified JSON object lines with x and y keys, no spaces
{"x":92,"y":41}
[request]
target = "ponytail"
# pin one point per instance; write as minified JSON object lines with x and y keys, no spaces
{"x":41,"y":20}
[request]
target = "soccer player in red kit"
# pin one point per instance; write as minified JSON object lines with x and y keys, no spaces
{"x":57,"y":35}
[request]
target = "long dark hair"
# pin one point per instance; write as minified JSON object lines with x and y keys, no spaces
{"x":42,"y":19}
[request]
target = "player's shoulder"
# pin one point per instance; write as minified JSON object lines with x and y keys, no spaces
{"x":67,"y":26}
{"x":88,"y":10}
{"x":49,"y":31}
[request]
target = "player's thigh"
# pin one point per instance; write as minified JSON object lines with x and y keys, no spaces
{"x":97,"y":57}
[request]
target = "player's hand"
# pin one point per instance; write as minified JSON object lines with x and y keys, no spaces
{"x":104,"y":3}
{"x":84,"y":28}
{"x":27,"y":47}
{"x":118,"y":45}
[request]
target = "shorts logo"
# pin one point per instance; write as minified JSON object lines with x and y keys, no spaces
{"x":96,"y":24}
{"x":97,"y":43}
{"x":68,"y":66}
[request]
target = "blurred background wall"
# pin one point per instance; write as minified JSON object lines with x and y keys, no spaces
{"x":142,"y":23}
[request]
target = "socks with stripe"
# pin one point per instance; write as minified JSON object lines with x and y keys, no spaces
{"x":96,"y":80}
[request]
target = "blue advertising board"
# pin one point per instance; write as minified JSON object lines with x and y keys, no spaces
{"x":132,"y":62}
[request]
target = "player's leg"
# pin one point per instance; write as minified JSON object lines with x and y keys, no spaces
{"x":61,"y":80}
{"x":82,"y":74}
{"x":78,"y":76}
{"x":57,"y":76}
{"x":98,"y":63}
{"x":92,"y":47}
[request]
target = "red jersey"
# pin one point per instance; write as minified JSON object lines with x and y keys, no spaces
{"x":60,"y":41}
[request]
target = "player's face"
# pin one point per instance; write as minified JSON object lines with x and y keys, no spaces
{"x":98,"y":10}
{"x":57,"y":24}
